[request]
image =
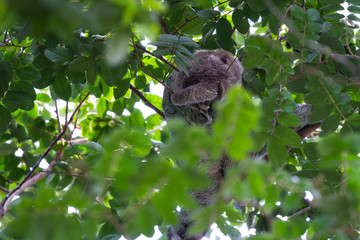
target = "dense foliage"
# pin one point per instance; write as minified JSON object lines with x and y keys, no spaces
{"x":84,"y":162}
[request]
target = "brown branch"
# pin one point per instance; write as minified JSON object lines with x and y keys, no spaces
{"x":57,"y":116}
{"x":4,"y":44}
{"x":347,"y":40}
{"x":189,"y":20}
{"x":311,"y":70}
{"x":163,"y":25}
{"x":332,"y":100}
{"x":42,"y":131}
{"x":149,"y":73}
{"x":29,"y":179}
{"x":182,"y":25}
{"x":5,"y":190}
{"x":305,"y":131}
{"x":147,"y":102}
{"x":301,"y":211}
{"x":160,"y":58}
{"x":25,"y":184}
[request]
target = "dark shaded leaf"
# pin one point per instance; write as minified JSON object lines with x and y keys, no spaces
{"x":121,"y":88}
{"x":59,"y":55}
{"x":240,"y":21}
{"x":29,"y":74}
{"x":61,"y":87}
{"x":5,"y":118}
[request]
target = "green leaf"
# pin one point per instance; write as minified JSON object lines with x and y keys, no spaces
{"x":5,"y":118}
{"x":256,"y":5}
{"x":194,"y":26}
{"x":209,"y":14}
{"x":256,"y":184}
{"x":43,"y":97}
{"x":155,"y":100}
{"x":320,"y":112}
{"x":316,"y":97}
{"x":223,"y":28}
{"x":289,"y":119}
{"x":237,"y":116}
{"x":41,"y":62}
{"x":277,"y":153}
{"x":118,"y":46}
{"x":29,"y":74}
{"x":101,"y":107}
{"x":112,"y":75}
{"x":298,"y":13}
{"x":62,"y":87}
{"x":140,"y":82}
{"x":254,"y":57}
{"x":235,"y":3}
{"x":121,"y":88}
{"x":24,"y":31}
{"x":147,"y":218}
{"x":240,"y":21}
{"x":331,"y":123}
{"x":79,"y":64}
{"x":313,"y":14}
{"x":59,"y":55}
{"x":354,"y":9}
{"x":92,"y":73}
{"x":47,"y":78}
{"x":208,"y":30}
{"x":5,"y":73}
{"x":288,"y":137}
{"x":332,"y":42}
{"x":21,"y":95}
{"x":252,"y":15}
{"x":288,"y":105}
{"x":6,"y":148}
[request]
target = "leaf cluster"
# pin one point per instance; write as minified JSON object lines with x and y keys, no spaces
{"x":73,"y":74}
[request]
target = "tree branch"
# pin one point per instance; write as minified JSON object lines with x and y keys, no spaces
{"x":29,"y":179}
{"x":147,"y":102}
{"x":160,"y":58}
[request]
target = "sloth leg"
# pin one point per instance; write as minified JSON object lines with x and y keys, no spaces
{"x":197,"y":93}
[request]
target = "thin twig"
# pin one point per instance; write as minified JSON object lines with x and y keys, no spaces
{"x":160,"y":58}
{"x":4,"y":189}
{"x":4,"y":44}
{"x":149,"y":73}
{"x":57,"y":116}
{"x":191,"y":19}
{"x":163,"y":25}
{"x":304,"y":210}
{"x":311,"y":70}
{"x":147,"y":102}
{"x":347,"y":40}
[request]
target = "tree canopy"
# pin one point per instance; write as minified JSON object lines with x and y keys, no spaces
{"x":78,"y":160}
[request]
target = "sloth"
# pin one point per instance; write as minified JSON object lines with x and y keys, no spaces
{"x":193,"y":96}
{"x":208,"y":80}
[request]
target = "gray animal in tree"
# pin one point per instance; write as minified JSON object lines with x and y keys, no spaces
{"x":193,"y":96}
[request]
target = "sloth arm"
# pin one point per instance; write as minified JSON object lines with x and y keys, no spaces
{"x":197,"y":93}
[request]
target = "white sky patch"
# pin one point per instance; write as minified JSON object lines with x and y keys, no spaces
{"x":126,"y":113}
{"x":19,"y":152}
{"x":72,"y":210}
{"x":44,"y":164}
{"x":156,"y":89}
{"x":308,"y":196}
{"x":245,"y":231}
{"x":304,"y":236}
{"x":157,"y":235}
{"x":282,"y":218}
